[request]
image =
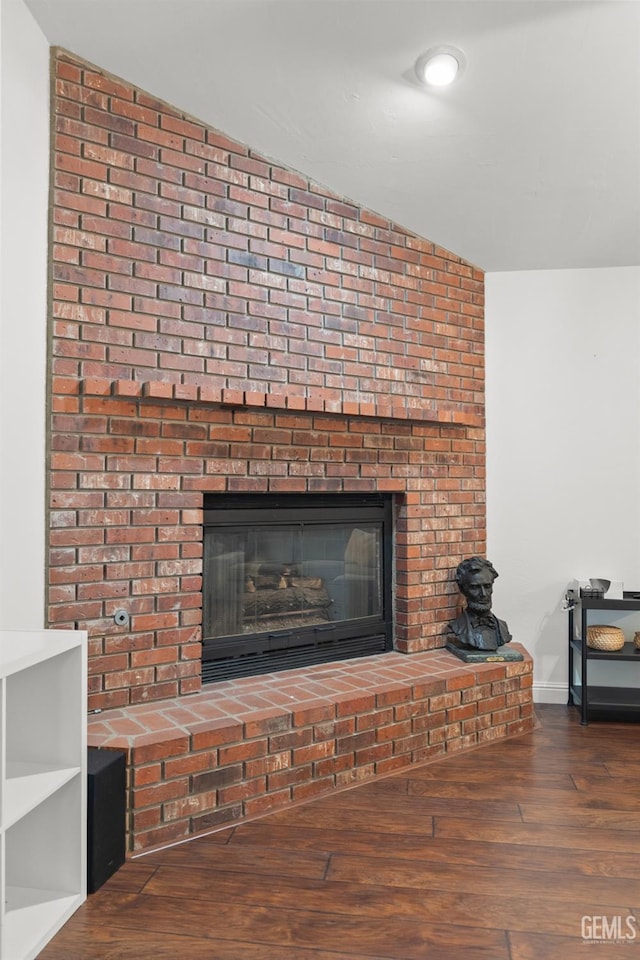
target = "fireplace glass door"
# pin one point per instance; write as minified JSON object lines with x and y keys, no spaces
{"x":295,"y":580}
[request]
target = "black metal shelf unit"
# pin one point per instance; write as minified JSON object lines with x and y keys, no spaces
{"x":594,"y":700}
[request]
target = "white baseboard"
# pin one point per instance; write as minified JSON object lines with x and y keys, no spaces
{"x":550,"y":692}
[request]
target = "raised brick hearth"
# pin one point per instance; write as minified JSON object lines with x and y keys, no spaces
{"x":246,"y":747}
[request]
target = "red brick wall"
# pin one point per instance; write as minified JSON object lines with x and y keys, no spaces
{"x":221,"y":323}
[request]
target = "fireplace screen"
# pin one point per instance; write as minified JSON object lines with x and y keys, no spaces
{"x":294,"y":580}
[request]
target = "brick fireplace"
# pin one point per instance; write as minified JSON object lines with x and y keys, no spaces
{"x":219,"y":324}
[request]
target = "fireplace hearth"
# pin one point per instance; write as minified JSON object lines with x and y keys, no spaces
{"x":294,"y":580}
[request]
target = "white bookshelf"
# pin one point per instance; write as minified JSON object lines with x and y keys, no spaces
{"x":43,"y":776}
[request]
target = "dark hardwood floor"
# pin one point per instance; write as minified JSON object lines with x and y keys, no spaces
{"x":527,"y":849}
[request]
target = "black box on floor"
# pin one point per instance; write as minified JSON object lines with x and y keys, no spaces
{"x":106,"y":815}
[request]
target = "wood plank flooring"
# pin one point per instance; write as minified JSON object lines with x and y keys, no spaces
{"x":494,"y":854}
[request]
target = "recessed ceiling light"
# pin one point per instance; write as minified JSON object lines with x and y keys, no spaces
{"x":440,"y":66}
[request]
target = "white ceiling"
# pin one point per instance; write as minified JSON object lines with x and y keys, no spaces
{"x":531,"y":160}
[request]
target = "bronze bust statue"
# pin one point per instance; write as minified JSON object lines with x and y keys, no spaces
{"x":477,"y":628}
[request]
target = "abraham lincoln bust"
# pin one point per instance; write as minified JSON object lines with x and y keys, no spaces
{"x":477,"y":630}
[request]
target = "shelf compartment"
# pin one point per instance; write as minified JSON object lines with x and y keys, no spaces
{"x":45,"y":866}
{"x":22,"y":649}
{"x":28,"y":784}
{"x":612,"y":699}
{"x":628,"y":652}
{"x":33,"y":917}
{"x":44,"y":722}
{"x":630,"y":601}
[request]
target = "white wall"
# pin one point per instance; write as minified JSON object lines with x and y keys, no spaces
{"x":23,"y":306}
{"x":563,"y":447}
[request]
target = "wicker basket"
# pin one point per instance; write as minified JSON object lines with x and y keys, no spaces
{"x":601,"y":637}
{"x":636,"y":640}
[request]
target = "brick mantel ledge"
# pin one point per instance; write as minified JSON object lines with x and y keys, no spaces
{"x":384,"y":408}
{"x":242,"y":748}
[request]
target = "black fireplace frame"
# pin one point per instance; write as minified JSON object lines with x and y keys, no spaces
{"x":225,"y":658}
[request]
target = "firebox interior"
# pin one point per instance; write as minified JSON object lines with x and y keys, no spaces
{"x":294,"y":580}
